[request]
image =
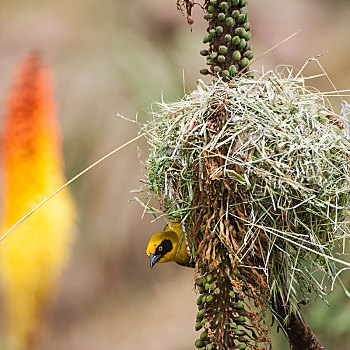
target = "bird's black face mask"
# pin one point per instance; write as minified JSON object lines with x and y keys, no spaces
{"x":165,"y":247}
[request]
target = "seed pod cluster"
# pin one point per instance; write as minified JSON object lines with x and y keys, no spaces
{"x":221,"y":310}
{"x":228,"y":35}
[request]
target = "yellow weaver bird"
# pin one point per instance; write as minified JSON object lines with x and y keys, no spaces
{"x":165,"y":246}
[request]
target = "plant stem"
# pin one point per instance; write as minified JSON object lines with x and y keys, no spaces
{"x":298,"y":332}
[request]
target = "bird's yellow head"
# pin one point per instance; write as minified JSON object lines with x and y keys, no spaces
{"x":164,"y":246}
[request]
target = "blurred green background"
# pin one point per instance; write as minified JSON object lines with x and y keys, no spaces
{"x":115,"y":56}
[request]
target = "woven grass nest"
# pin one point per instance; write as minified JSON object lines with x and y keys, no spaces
{"x":262,"y":168}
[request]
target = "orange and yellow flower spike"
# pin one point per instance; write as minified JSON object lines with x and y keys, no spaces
{"x":32,"y":257}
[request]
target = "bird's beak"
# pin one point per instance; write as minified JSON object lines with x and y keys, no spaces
{"x":153,"y":259}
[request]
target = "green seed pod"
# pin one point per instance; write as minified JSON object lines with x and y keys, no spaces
{"x":204,"y":322}
{"x":233,"y":325}
{"x":236,"y":40}
{"x":232,"y":71}
{"x":213,"y":56}
{"x":206,"y":39}
{"x":249,"y":55}
{"x":200,"y":306}
{"x":244,"y":62}
{"x":199,"y":300}
{"x":238,"y":332}
{"x":199,"y":344}
{"x":243,"y":2}
{"x":223,"y":49}
{"x":219,"y":30}
{"x":248,"y":36}
{"x":218,"y":259}
{"x":214,"y":2}
{"x":229,"y":21}
{"x":241,"y":319}
{"x":234,"y":2}
{"x":241,"y":32}
{"x":210,"y":277}
{"x":210,"y":62}
{"x":242,"y":44}
{"x":221,"y":58}
{"x":235,"y":14}
{"x":198,"y":326}
{"x":209,"y":298}
{"x":240,"y":19}
{"x":204,"y":52}
{"x":207,"y":285}
{"x":211,"y":8}
{"x":226,"y":75}
{"x":204,"y":72}
{"x":223,"y":5}
{"x":247,"y":26}
{"x":199,"y":282}
{"x":227,"y":38}
{"x":212,"y":32}
{"x":232,"y":294}
{"x":213,"y":285}
{"x":203,"y":335}
{"x":241,"y":347}
{"x":217,"y":69}
{"x":236,"y":56}
{"x":221,"y":16}
{"x":200,"y":315}
{"x":248,"y":46}
{"x":208,"y":16}
{"x":217,"y":290}
{"x":239,"y":306}
{"x":208,"y":347}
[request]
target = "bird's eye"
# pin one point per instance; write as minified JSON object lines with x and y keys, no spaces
{"x":160,"y":248}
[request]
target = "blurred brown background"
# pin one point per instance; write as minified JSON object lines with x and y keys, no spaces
{"x":114,"y":56}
